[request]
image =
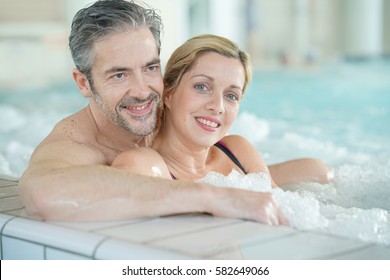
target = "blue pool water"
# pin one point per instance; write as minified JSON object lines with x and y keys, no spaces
{"x":339,"y":112}
{"x":27,"y":115}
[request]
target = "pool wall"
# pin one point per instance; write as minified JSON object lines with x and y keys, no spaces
{"x":191,"y":236}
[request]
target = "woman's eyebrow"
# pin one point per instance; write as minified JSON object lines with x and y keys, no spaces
{"x":212,"y":79}
{"x":203,"y":75}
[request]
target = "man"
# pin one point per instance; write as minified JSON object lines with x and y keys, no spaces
{"x":115,"y":46}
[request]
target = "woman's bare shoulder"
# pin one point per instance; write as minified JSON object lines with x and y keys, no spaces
{"x":235,"y":141}
{"x":143,"y":160}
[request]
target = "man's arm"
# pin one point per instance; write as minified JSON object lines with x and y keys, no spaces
{"x":70,"y":181}
{"x":63,"y":183}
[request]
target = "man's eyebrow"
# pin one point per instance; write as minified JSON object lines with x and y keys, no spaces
{"x":154,"y":61}
{"x":126,"y":69}
{"x":116,"y":69}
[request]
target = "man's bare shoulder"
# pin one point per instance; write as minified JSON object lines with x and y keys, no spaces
{"x":72,"y":141}
{"x":76,"y":127}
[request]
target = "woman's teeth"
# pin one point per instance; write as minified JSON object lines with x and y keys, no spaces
{"x":207,"y":122}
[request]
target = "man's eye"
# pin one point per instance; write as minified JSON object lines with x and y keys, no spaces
{"x":119,"y":76}
{"x":152,"y":68}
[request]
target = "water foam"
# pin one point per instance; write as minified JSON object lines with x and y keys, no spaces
{"x":349,"y":207}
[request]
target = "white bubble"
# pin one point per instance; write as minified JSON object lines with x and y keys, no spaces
{"x":320,"y":208}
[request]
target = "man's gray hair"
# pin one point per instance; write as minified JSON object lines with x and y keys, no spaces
{"x":106,"y":17}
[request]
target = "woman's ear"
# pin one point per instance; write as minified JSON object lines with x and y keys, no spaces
{"x":82,"y":83}
{"x":167,"y":96}
{"x":167,"y":99}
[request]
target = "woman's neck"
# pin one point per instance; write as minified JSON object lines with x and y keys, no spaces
{"x":184,"y":160}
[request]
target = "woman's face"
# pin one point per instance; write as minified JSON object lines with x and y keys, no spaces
{"x":206,"y":102}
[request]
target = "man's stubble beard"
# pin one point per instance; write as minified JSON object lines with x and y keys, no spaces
{"x":140,"y":126}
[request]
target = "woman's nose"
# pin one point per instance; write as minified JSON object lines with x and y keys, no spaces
{"x":216,"y":103}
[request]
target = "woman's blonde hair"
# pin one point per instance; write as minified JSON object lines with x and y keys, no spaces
{"x":185,"y":56}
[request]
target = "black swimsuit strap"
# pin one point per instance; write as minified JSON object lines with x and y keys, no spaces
{"x":229,"y":153}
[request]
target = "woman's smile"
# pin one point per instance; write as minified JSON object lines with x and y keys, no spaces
{"x":207,"y":123}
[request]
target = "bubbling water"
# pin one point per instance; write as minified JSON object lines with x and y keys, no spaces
{"x":332,"y":114}
{"x":355,"y":205}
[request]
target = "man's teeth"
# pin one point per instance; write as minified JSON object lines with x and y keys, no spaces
{"x":207,"y":122}
{"x":138,"y":108}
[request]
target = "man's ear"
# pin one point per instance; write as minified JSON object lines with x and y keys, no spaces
{"x":82,"y":83}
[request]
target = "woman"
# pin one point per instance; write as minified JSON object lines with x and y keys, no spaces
{"x":205,"y":79}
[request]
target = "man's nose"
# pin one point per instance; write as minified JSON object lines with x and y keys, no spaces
{"x":139,"y":87}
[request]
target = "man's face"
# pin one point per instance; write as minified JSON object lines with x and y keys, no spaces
{"x":127,"y":80}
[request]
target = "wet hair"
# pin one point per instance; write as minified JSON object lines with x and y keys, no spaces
{"x":184,"y":58}
{"x":104,"y":18}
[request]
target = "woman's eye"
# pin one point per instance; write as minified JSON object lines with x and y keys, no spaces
{"x":232,"y":97}
{"x":200,"y":87}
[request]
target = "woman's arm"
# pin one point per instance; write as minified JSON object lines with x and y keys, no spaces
{"x":248,"y":155}
{"x":284,"y":173}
